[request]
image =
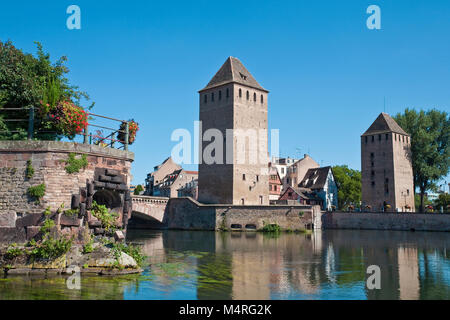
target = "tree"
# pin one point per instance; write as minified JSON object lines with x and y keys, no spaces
{"x":138,"y":189}
{"x":430,"y":147}
{"x":27,"y":81}
{"x":443,"y":201}
{"x":349,"y":186}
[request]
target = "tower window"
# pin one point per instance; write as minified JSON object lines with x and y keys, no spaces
{"x":254,"y":97}
{"x":373,"y":138}
{"x":372,"y":164}
{"x":228,"y":93}
{"x":262,"y":99}
{"x":395,"y":136}
{"x":379,"y":137}
{"x":372,"y":155}
{"x":387,"y":136}
{"x":257,"y":178}
{"x":365,"y":138}
{"x":212,"y":96}
{"x":243,"y":177}
{"x":373,"y":183}
{"x":403,"y":138}
{"x":240,"y":93}
{"x":372,"y":173}
{"x":220,"y":94}
{"x":205,"y":98}
{"x":248,"y":95}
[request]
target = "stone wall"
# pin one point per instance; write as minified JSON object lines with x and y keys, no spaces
{"x":386,"y":221}
{"x":188,"y":214}
{"x":48,"y":161}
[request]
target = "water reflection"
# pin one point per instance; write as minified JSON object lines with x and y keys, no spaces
{"x":323,"y":265}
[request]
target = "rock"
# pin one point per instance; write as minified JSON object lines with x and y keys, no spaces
{"x":31,"y":219}
{"x":93,"y":223}
{"x":32,"y":232}
{"x":124,"y":261}
{"x":75,"y":203}
{"x":67,"y":221}
{"x":111,"y":172}
{"x":57,"y":263}
{"x":104,"y":178}
{"x":119,"y":236}
{"x":99,"y":184}
{"x":82,"y":210}
{"x":99,"y":231}
{"x":12,"y":234}
{"x":90,"y":189}
{"x":8,"y":219}
{"x":117,"y":179}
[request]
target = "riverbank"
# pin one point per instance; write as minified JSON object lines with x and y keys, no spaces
{"x":100,"y":258}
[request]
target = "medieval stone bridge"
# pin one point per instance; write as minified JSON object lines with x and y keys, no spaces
{"x":148,"y":211}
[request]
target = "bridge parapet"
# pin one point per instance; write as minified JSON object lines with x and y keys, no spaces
{"x":149,"y":199}
{"x":148,"y":207}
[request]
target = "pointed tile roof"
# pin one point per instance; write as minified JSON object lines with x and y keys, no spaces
{"x":384,"y":123}
{"x":233,"y":71}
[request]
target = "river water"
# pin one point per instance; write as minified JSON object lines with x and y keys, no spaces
{"x":331,"y":264}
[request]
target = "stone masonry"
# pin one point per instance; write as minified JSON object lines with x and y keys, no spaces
{"x":18,"y":209}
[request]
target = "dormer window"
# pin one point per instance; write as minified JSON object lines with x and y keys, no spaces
{"x":243,"y":76}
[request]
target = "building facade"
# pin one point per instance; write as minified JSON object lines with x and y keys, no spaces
{"x":169,"y":186}
{"x":296,"y":172}
{"x":321,"y":181}
{"x":190,"y":189}
{"x":231,"y":104}
{"x":275,"y":184}
{"x":159,"y":173}
{"x":386,"y":168}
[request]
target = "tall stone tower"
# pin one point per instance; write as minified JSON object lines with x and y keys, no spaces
{"x":236,"y":105}
{"x":386,"y":169}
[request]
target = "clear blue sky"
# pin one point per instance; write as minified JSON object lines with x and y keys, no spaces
{"x":327,"y":73}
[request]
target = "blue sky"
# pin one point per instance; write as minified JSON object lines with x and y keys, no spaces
{"x":326,"y":71}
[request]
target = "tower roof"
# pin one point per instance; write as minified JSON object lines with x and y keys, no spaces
{"x":233,"y":71}
{"x":384,"y":123}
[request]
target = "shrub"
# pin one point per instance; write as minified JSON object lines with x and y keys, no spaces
{"x":51,"y":248}
{"x":107,"y":218}
{"x":273,"y":227}
{"x":29,"y":172}
{"x":13,"y":252}
{"x":74,"y":164}
{"x":37,"y":191}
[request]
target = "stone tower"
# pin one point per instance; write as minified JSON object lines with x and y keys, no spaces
{"x":235,"y":105}
{"x":386,"y":169}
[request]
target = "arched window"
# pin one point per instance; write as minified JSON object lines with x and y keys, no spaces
{"x":262,"y":99}
{"x":248,"y":95}
{"x":254,"y":97}
{"x":240,"y":93}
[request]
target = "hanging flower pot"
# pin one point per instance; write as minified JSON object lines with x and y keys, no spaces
{"x":133,"y":128}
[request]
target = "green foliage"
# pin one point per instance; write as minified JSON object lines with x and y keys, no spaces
{"x":443,"y":201}
{"x":107,"y":218}
{"x":138,"y":189}
{"x":71,"y":212}
{"x":51,"y":248}
{"x":27,"y":80}
{"x":348,"y":182}
{"x":133,"y":251}
{"x":88,"y":247}
{"x":430,"y":147}
{"x":29,"y":172}
{"x":74,"y":164}
{"x":13,"y":252}
{"x":47,"y":226}
{"x":37,"y":191}
{"x":271,"y":227}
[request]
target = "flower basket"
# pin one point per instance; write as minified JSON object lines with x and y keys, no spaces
{"x":66,"y":118}
{"x":133,"y":128}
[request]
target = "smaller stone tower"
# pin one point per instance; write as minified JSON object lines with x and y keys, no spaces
{"x":386,"y":168}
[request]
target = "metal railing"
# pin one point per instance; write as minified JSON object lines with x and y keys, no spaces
{"x":87,"y":137}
